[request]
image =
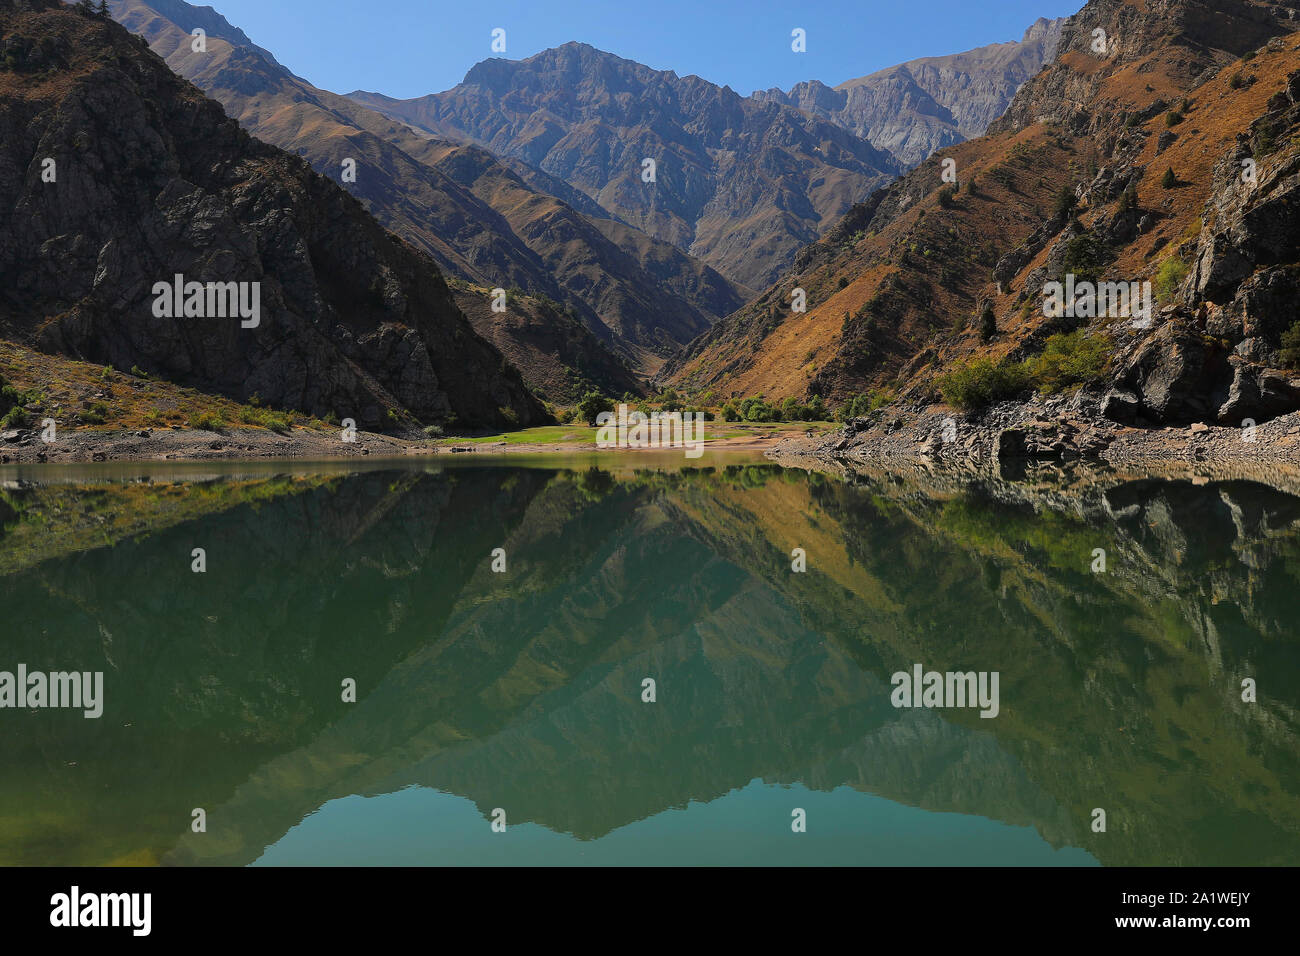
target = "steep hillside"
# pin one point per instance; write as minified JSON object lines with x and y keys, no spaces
{"x":739,"y":183}
{"x":149,"y":181}
{"x":1071,"y":181}
{"x":490,"y":224}
{"x":916,"y":108}
{"x":554,"y":352}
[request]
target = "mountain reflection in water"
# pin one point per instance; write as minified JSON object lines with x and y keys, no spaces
{"x":523,"y":690}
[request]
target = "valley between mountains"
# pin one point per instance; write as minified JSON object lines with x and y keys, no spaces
{"x":563,"y":232}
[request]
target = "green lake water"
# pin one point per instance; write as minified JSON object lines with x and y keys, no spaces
{"x":483,"y":694}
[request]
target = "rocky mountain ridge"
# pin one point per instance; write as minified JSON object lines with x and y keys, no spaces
{"x":738,"y":183}
{"x":119,"y":176}
{"x":916,"y":108}
{"x":482,"y":220}
{"x":1124,"y":165}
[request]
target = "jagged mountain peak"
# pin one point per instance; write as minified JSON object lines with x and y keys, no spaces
{"x":1122,"y":166}
{"x":736,"y":181}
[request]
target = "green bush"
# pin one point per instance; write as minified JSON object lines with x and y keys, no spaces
{"x":1169,"y":277}
{"x":1085,"y":257}
{"x":1069,"y":359}
{"x":204,"y":421}
{"x":982,"y":381}
{"x":1169,"y":180}
{"x":1065,"y":202}
{"x":1291,"y":345}
{"x":866,"y":403}
{"x":591,"y":405}
{"x":988,"y":322}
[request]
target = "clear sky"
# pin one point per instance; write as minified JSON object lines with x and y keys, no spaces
{"x":407,"y":48}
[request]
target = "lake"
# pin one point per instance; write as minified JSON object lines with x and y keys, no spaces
{"x":640,"y":659}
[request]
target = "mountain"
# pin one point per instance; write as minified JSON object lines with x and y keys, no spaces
{"x":151,"y":180}
{"x":1124,"y":165}
{"x":916,"y":108}
{"x":552,"y":349}
{"x":739,"y":183}
{"x":490,"y":223}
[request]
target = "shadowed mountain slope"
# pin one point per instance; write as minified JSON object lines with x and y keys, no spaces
{"x":150,"y":181}
{"x":482,"y":220}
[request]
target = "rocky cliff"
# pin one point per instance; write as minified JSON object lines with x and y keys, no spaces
{"x":116,"y":175}
{"x":480,"y":219}
{"x":739,"y":183}
{"x":915,"y":108}
{"x":1159,"y":149}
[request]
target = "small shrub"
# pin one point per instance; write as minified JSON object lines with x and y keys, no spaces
{"x":1169,"y":180}
{"x":988,"y":322}
{"x":1065,"y":202}
{"x":1169,"y":277}
{"x":1068,"y":359}
{"x":205,"y":421}
{"x":1291,"y":345}
{"x":981,"y":382}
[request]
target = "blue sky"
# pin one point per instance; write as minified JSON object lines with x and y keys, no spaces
{"x":410,"y":47}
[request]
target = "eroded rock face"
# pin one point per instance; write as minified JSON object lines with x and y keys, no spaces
{"x":741,"y":184}
{"x":152,"y":181}
{"x":916,"y":108}
{"x":1217,"y":354}
{"x":1178,"y":374}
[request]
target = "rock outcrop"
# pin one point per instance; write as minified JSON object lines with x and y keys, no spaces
{"x":491,"y":222}
{"x":738,"y":183}
{"x":916,"y":108}
{"x":116,"y":175}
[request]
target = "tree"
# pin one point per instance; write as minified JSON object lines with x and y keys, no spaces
{"x":988,"y":322}
{"x":1291,"y":345}
{"x":1065,"y":202}
{"x":1169,"y":180}
{"x":102,"y":9}
{"x":592,"y":404}
{"x":1128,"y":200}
